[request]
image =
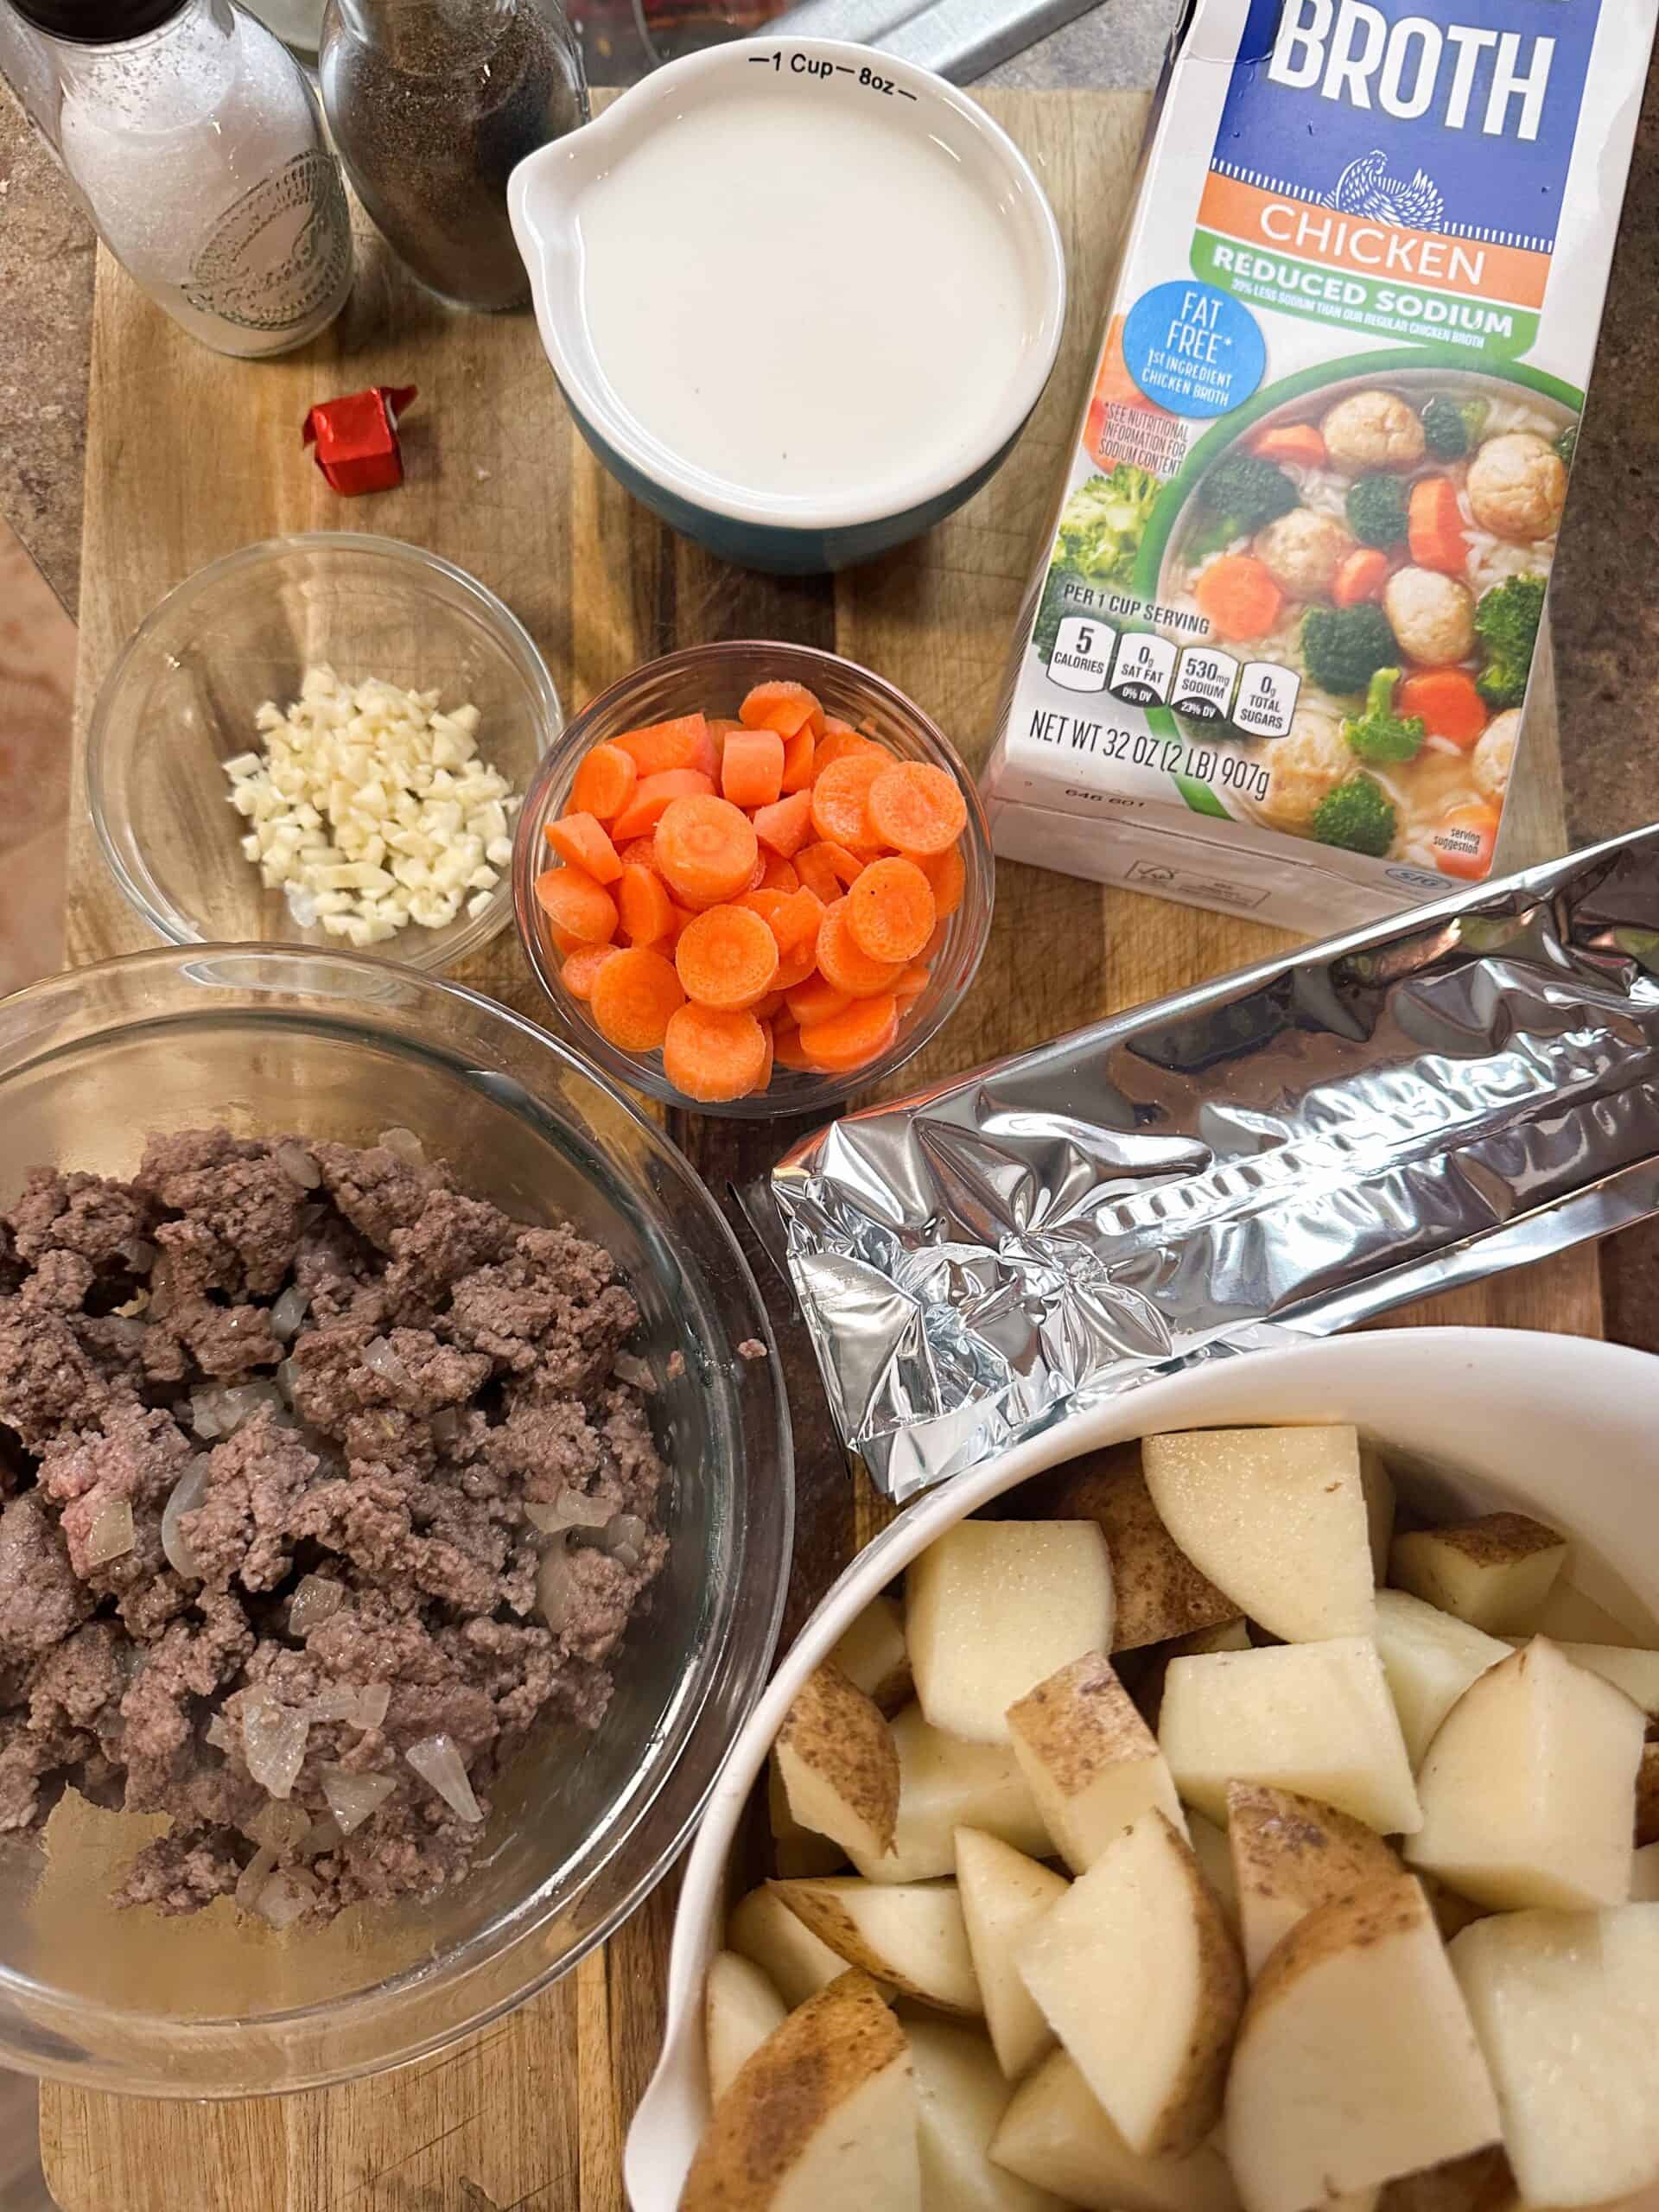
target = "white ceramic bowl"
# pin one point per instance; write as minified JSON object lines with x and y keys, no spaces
{"x":1559,"y":1426}
{"x":792,"y":533}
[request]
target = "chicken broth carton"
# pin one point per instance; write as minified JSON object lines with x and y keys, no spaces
{"x":1276,"y":658}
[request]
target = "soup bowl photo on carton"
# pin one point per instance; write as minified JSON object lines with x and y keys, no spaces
{"x":1471,"y":1420}
{"x":868,"y":510}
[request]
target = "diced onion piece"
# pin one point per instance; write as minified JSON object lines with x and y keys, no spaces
{"x":627,"y":1368}
{"x":252,"y":1881}
{"x":435,"y":1759}
{"x":325,"y":1833}
{"x":372,"y":1699}
{"x":220,"y":1733}
{"x":571,"y":1509}
{"x":273,"y":1741}
{"x":380,"y":1359}
{"x":287,"y":1375}
{"x":446,"y":1424}
{"x":354,"y":1798}
{"x":286,"y":1896}
{"x":407,"y":1146}
{"x":289,"y":1312}
{"x":317,"y":1598}
{"x":278,"y":1825}
{"x":111,"y":1533}
{"x":295,"y":1160}
{"x":555,"y":1589}
{"x":624,"y":1538}
{"x":185,"y":1496}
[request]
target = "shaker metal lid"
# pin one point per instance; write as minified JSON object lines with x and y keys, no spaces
{"x":97,"y":23}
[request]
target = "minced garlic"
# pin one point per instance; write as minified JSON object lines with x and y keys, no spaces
{"x":369,"y":810}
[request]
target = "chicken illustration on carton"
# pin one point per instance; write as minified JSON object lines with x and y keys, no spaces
{"x":1276,"y":658}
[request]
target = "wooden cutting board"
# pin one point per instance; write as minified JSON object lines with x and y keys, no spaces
{"x":190,"y":456}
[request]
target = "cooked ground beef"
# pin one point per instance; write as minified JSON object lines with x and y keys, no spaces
{"x":365,"y":1378}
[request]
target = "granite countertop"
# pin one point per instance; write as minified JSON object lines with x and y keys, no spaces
{"x":1604,"y":611}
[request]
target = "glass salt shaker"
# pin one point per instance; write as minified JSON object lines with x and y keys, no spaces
{"x":432,"y":105}
{"x":192,"y":139}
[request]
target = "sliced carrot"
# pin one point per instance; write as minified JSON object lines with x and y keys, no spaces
{"x":604,"y":783}
{"x":563,"y":942}
{"x":643,"y":905}
{"x":785,"y":825}
{"x":1239,"y":596}
{"x":798,"y":967}
{"x":841,"y":796}
{"x":948,"y":874}
{"x":653,"y":795}
{"x":711,"y":1055}
{"x":840,"y":741}
{"x":779,"y":874}
{"x":758,"y":873}
{"x":582,"y":908}
{"x":1301,"y":442}
{"x":763,"y":902}
{"x":798,"y":754}
{"x":918,"y":808}
{"x":1448,"y":701}
{"x":751,"y":767}
{"x":795,"y":922}
{"x":784,"y":706}
{"x":706,"y":849}
{"x":851,"y":1039}
{"x":768,"y":1008}
{"x":662,"y":746}
{"x":816,"y":872}
{"x":727,"y":958}
{"x":912,"y":982}
{"x":635,"y":995}
{"x":580,"y":840}
{"x":816,"y":999}
{"x":1361,"y":575}
{"x":1465,"y":841}
{"x":786,"y":1046}
{"x":763,"y":1080}
{"x":844,"y":964}
{"x":639,"y":852}
{"x":582,"y":966}
{"x":1435,"y":530}
{"x":706,"y":754}
{"x":890,"y":910}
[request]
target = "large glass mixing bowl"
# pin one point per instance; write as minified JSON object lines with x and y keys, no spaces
{"x":338,"y":1046}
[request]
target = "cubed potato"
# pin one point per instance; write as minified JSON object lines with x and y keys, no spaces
{"x":872,"y":1654}
{"x":765,"y":1931}
{"x":1160,"y":1593}
{"x":1003,"y":1895}
{"x":1356,"y":2061}
{"x":1567,"y":2008}
{"x":1139,"y":1975}
{"x":741,"y":2009}
{"x":1056,"y":2135}
{"x":1635,"y":1673}
{"x":1292,"y":1855}
{"x":961,"y":2097}
{"x":944,"y":1784}
{"x":1480,"y":2183}
{"x":1379,"y":1486}
{"x":1430,"y":1659}
{"x":835,"y":1758}
{"x":993,"y":1607}
{"x":1495,"y":1573}
{"x":1314,"y":1718}
{"x":1092,"y":1763}
{"x":908,"y":1934}
{"x":824,"y":2114}
{"x":1528,"y":1790}
{"x":1277,"y":1519}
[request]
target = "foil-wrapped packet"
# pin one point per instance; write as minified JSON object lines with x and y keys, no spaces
{"x":1276,"y":1155}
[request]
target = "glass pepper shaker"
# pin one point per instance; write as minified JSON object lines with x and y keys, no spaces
{"x":432,"y":105}
{"x":192,"y":139}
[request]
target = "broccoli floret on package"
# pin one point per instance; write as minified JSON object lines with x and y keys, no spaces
{"x":1506,"y":623}
{"x":1376,"y":511}
{"x":1357,"y":815}
{"x":1242,"y":495}
{"x":1343,"y":647}
{"x":1379,"y":733}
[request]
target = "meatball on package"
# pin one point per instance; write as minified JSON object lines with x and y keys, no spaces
{"x":1276,"y":658}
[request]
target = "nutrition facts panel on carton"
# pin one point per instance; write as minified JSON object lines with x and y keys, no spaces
{"x":1204,"y":684}
{"x":1082,"y":654}
{"x":1267,"y":699}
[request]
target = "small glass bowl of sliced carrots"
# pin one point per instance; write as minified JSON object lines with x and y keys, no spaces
{"x":754,"y":878}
